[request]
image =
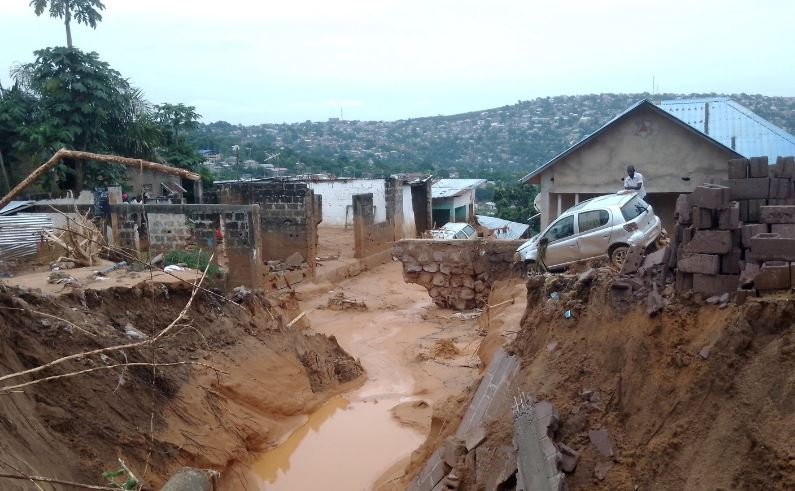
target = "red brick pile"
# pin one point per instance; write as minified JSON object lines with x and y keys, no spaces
{"x":738,"y":235}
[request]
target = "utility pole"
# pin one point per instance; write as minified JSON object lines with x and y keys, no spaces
{"x":236,"y":149}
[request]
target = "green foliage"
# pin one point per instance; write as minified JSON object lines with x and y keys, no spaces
{"x":515,"y":202}
{"x":83,"y":11}
{"x":120,"y":479}
{"x":193,"y":259}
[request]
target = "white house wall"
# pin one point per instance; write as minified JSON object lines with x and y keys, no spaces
{"x":409,"y":227}
{"x":338,"y":199}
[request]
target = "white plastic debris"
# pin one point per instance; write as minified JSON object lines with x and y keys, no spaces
{"x":172,"y":268}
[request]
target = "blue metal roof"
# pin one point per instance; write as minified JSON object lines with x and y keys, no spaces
{"x":734,"y":126}
{"x":642,"y":103}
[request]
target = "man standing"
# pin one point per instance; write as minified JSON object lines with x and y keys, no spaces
{"x":634,"y":181}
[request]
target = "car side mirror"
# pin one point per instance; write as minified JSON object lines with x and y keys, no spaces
{"x":543,"y":241}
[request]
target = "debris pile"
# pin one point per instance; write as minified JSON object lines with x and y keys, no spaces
{"x":339,"y":301}
{"x":285,"y":274}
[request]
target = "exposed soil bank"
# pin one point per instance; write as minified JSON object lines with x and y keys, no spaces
{"x":75,"y":428}
{"x":694,"y":398}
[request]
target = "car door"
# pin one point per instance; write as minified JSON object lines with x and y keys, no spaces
{"x":593,"y":233}
{"x":562,"y":243}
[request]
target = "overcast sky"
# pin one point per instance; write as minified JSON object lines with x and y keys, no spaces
{"x":251,"y":61}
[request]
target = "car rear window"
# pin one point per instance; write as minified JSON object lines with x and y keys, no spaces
{"x":589,"y":220}
{"x":634,"y":208}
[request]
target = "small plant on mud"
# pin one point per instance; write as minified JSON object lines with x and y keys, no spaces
{"x":120,"y":479}
{"x":193,"y":259}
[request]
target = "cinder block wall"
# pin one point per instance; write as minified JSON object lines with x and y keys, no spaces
{"x":174,"y":227}
{"x":457,"y":273}
{"x":289,"y":213}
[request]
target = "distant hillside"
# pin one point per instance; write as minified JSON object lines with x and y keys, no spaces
{"x":501,"y":143}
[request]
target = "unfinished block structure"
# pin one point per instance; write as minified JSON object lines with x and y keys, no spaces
{"x":740,"y":233}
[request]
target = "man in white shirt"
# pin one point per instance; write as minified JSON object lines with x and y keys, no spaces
{"x":634,"y":181}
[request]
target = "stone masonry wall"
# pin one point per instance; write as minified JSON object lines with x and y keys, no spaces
{"x":457,"y":273}
{"x":289,"y":214}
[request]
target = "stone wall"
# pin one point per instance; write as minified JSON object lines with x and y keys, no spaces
{"x":289,"y":215}
{"x":160,"y":228}
{"x":457,"y":273}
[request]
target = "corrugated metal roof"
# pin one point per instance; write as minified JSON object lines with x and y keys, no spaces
{"x":733,"y":125}
{"x":643,"y":103}
{"x":20,"y":234}
{"x":505,"y":229}
{"x":447,"y":188}
{"x":15,"y":206}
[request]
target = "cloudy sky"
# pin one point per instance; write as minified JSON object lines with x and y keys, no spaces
{"x":253,"y":61}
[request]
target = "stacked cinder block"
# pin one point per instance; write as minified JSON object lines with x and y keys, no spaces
{"x":706,"y":246}
{"x":740,"y":233}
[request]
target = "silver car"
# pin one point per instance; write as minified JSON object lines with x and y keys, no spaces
{"x":602,"y":226}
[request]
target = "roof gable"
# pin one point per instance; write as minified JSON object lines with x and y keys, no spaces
{"x":645,"y":103}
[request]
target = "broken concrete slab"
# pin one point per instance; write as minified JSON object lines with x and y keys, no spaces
{"x":295,"y":259}
{"x":454,"y":448}
{"x":494,"y":465}
{"x":568,"y":458}
{"x":601,"y":440}
{"x":633,"y":260}
{"x":475,"y":437}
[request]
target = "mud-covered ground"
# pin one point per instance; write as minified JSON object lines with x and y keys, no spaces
{"x":157,"y":420}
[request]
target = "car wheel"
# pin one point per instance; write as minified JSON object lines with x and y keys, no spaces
{"x":618,"y":255}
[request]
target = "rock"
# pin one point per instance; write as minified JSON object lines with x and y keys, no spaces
{"x":295,"y":259}
{"x":714,"y":300}
{"x":655,"y":303}
{"x":704,"y":353}
{"x":568,"y":458}
{"x":133,"y":333}
{"x":453,"y":449}
{"x":430,"y":267}
{"x":189,"y":479}
{"x":601,"y":469}
{"x":601,"y":440}
{"x":551,"y":346}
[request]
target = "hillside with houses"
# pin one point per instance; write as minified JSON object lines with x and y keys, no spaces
{"x":500,"y":144}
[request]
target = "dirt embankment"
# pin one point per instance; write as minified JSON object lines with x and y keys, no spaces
{"x":697,"y":397}
{"x":76,"y":428}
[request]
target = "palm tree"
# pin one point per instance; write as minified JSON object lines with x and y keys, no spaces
{"x":83,"y":11}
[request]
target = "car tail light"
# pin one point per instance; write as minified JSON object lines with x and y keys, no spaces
{"x":630,"y":226}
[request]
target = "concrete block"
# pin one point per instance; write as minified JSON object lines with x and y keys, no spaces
{"x":684,"y":209}
{"x":711,"y":196}
{"x":773,"y":247}
{"x":687,"y":235}
{"x":730,"y":263}
{"x":710,"y":285}
{"x":752,"y":188}
{"x":729,"y":218}
{"x":754,"y":206}
{"x":750,"y":230}
{"x":633,"y":260}
{"x":783,"y":229}
{"x":703,"y":218}
{"x":758,"y":167}
{"x":780,"y":188}
{"x":683,"y":281}
{"x":777,"y":214}
{"x":784,"y":167}
{"x":699,"y":263}
{"x":738,"y":168}
{"x":710,"y":242}
{"x":774,"y":275}
{"x":743,"y":210}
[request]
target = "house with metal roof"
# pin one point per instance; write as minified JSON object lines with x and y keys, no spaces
{"x":453,"y":200}
{"x":734,"y":125}
{"x":504,"y":229}
{"x":672,"y":155}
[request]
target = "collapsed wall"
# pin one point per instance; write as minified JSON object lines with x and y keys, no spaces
{"x":457,"y":273}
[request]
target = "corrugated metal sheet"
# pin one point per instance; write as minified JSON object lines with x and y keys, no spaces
{"x":15,"y":206}
{"x":733,"y":125}
{"x":447,"y":188}
{"x":20,"y":234}
{"x":506,"y":230}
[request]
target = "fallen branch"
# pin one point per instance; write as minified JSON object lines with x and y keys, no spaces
{"x":110,"y":159}
{"x":109,"y":367}
{"x":54,"y":481}
{"x":120,"y":347}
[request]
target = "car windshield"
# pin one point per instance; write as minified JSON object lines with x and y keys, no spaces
{"x":634,"y":208}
